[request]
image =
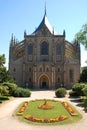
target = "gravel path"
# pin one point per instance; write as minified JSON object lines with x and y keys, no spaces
{"x":9,"y":122}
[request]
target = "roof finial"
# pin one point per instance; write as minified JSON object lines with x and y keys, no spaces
{"x":45,"y":9}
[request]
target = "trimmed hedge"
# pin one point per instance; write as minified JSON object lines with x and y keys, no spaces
{"x":22,"y":92}
{"x":60,"y":92}
{"x":4,"y":98}
{"x":12,"y":89}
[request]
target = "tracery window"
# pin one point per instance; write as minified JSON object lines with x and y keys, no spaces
{"x":58,"y":49}
{"x":44,"y":48}
{"x":30,"y":49}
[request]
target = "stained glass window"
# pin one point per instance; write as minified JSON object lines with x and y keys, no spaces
{"x":44,"y":48}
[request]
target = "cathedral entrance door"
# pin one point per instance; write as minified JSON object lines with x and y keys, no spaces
{"x":44,"y":82}
{"x":44,"y":85}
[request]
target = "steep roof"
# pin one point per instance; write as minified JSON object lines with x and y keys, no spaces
{"x":47,"y":24}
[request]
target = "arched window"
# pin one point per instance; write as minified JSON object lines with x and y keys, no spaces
{"x":44,"y":48}
{"x":58,"y":49}
{"x":30,"y":49}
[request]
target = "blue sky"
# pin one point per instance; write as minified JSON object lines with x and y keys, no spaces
{"x":19,"y":15}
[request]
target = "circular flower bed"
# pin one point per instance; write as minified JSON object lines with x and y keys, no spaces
{"x":46,"y":111}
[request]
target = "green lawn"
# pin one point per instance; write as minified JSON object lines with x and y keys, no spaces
{"x":58,"y":110}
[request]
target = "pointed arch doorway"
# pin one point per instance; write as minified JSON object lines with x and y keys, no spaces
{"x":44,"y":82}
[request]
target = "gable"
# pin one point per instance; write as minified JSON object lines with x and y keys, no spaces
{"x":45,"y":27}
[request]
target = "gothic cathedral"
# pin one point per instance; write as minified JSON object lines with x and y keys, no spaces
{"x":44,"y":59}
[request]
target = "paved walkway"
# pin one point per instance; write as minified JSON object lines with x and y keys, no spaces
{"x":9,"y":122}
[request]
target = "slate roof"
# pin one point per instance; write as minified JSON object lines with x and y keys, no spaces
{"x":47,"y":24}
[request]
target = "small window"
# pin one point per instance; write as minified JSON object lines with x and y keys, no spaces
{"x":14,"y":70}
{"x":40,"y":69}
{"x":30,"y":49}
{"x":29,"y":79}
{"x":58,"y":80}
{"x":29,"y":69}
{"x":58,"y":69}
{"x":47,"y":69}
{"x":71,"y":75}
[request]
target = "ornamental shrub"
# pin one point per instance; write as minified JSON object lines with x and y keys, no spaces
{"x":4,"y":90}
{"x":4,"y":98}
{"x":11,"y":87}
{"x":60,"y":92}
{"x":22,"y":92}
{"x":83,"y":75}
{"x":85,"y":90}
{"x":77,"y":89}
{"x":85,"y":99}
{"x":72,"y":93}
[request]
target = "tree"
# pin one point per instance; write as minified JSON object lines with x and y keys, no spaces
{"x":4,"y":73}
{"x":2,"y":60}
{"x":77,"y":89}
{"x":81,"y":36}
{"x":85,"y":100}
{"x":83,"y":75}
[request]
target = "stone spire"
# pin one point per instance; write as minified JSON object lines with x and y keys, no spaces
{"x":45,"y":10}
{"x":64,"y":33}
{"x":12,"y":40}
{"x":25,"y":33}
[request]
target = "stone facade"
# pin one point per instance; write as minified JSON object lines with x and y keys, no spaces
{"x":44,"y":59}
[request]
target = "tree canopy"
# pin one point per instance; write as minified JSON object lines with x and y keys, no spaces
{"x":2,"y":60}
{"x":81,"y":36}
{"x":4,"y":73}
{"x":83,"y":75}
